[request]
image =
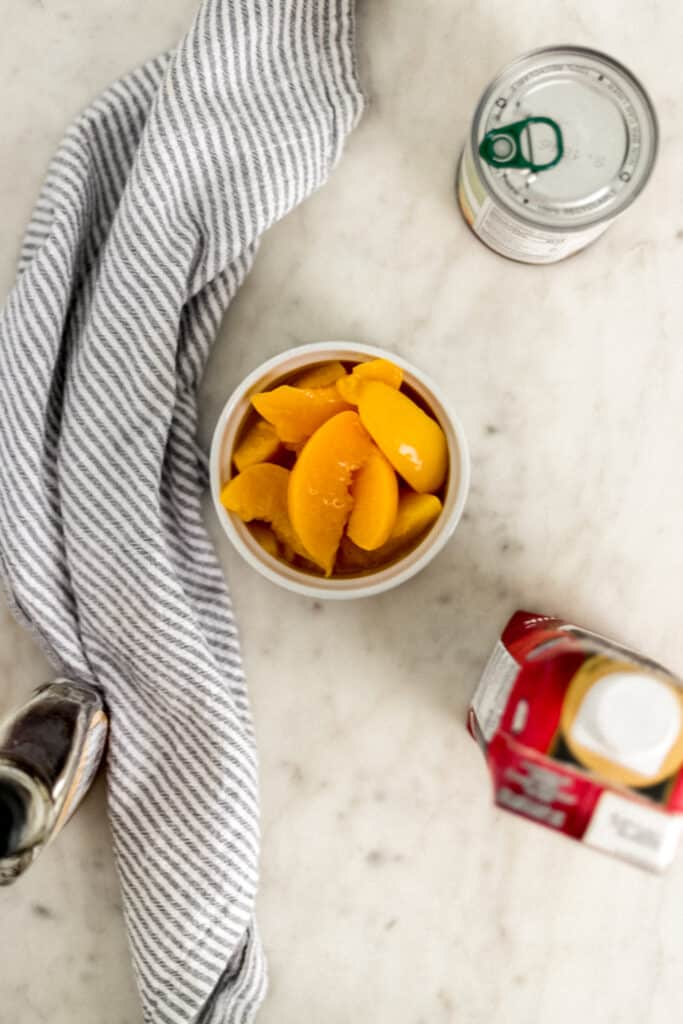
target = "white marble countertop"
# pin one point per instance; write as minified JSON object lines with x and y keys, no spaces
{"x":392,"y":891}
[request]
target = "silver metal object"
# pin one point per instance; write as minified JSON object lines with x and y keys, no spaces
{"x":561,"y":143}
{"x":50,"y":750}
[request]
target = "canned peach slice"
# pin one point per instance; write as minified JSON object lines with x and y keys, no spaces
{"x":319,"y":497}
{"x":375,"y":502}
{"x":259,"y":444}
{"x":320,"y":376}
{"x":415,"y":515}
{"x":375,"y":369}
{"x":296,"y":412}
{"x":412,"y":441}
{"x":266,"y":538}
{"x":260,"y":493}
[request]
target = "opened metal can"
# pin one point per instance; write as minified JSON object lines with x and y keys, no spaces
{"x":584,"y":736}
{"x":561,"y":143}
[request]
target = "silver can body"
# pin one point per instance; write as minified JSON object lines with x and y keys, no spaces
{"x":609,"y":139}
{"x":50,"y":750}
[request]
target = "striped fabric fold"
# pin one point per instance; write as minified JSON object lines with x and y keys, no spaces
{"x":146,"y":226}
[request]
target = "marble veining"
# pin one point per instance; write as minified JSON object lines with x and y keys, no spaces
{"x":392,"y":891}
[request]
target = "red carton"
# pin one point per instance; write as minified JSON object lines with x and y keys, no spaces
{"x":584,"y":736}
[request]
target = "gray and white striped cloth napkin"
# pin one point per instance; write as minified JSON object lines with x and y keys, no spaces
{"x":145,"y":228}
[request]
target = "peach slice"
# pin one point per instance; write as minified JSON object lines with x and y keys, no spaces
{"x":416,"y":513}
{"x":259,"y":444}
{"x":320,"y":376}
{"x":319,"y":498}
{"x":296,"y":413}
{"x":260,"y":492}
{"x":266,"y":538}
{"x":375,"y":503}
{"x":412,"y":441}
{"x":376,"y":369}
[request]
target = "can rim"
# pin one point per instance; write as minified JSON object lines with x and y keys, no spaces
{"x":604,"y":217}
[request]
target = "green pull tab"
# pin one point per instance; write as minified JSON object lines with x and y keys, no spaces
{"x":502,"y":147}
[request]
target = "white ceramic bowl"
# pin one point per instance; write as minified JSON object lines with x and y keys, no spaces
{"x":228,"y":428}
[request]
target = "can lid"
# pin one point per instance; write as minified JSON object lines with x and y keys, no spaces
{"x":566,"y":137}
{"x":630,"y":718}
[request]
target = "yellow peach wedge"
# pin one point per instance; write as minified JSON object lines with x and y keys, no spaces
{"x":319,"y":498}
{"x":320,"y":376}
{"x":375,"y":369}
{"x":412,"y":441}
{"x":375,"y":502}
{"x":416,"y":514}
{"x":265,"y":537}
{"x":296,"y":413}
{"x":259,"y":444}
{"x":260,"y":492}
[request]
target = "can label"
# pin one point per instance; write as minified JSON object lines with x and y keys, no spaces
{"x":508,"y":235}
{"x":585,"y":737}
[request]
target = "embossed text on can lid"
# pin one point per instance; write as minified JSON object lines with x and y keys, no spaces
{"x":608,"y":137}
